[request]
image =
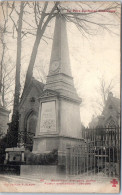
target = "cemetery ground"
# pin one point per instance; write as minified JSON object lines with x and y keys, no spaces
{"x":82,"y":182}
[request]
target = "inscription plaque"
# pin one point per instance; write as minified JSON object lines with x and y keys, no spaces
{"x":48,"y":117}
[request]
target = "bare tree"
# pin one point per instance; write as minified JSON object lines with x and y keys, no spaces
{"x":88,"y":23}
{"x":103,"y":89}
{"x":3,"y":47}
{"x":6,"y":77}
{"x":41,"y":27}
{"x":83,"y":21}
{"x":15,"y":116}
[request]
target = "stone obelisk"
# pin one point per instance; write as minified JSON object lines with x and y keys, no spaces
{"x":59,"y":122}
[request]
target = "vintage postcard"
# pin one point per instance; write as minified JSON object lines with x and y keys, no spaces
{"x":60,"y":96}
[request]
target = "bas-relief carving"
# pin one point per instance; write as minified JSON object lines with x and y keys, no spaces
{"x":55,"y":66}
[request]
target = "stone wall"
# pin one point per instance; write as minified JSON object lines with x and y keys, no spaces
{"x":27,"y":107}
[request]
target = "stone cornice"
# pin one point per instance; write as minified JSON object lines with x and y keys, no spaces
{"x":57,"y":136}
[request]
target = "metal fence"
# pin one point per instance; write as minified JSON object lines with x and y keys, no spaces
{"x":99,"y":153}
{"x":26,"y":138}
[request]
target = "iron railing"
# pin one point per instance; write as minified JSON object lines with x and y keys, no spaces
{"x":99,"y":153}
{"x":26,"y":138}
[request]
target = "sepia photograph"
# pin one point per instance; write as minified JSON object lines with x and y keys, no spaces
{"x":60,"y":123}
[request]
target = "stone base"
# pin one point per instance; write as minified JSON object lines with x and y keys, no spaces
{"x":50,"y":143}
{"x":43,"y":171}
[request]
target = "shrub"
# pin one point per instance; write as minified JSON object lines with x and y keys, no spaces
{"x":41,"y":159}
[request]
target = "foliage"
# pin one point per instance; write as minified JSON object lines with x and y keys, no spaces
{"x":41,"y":159}
{"x":3,"y":146}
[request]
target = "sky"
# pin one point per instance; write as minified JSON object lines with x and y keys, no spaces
{"x":91,"y":58}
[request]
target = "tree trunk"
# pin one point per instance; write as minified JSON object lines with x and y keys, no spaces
{"x":40,"y":32}
{"x":2,"y":64}
{"x":15,"y":116}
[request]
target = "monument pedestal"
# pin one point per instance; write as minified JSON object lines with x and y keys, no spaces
{"x":59,"y":123}
{"x":45,"y":144}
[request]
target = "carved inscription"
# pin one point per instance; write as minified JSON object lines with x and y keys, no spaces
{"x":48,"y":117}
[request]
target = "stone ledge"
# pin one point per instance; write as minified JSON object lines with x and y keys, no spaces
{"x":15,"y":149}
{"x":57,"y":136}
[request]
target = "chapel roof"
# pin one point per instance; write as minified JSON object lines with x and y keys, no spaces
{"x":33,"y":83}
{"x":112,"y":102}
